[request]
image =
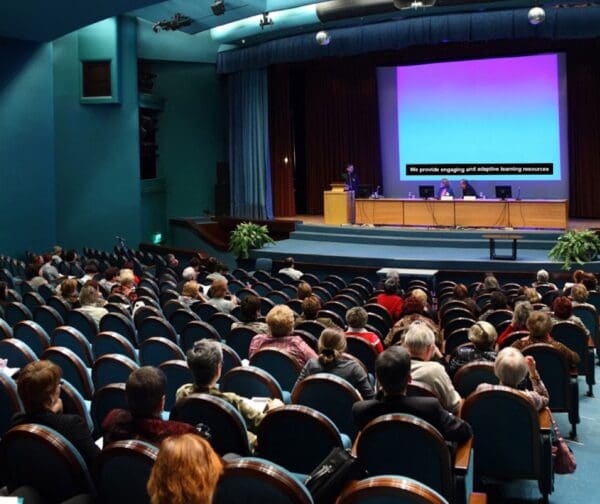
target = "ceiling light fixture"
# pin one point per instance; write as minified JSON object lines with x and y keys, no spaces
{"x":218,"y":7}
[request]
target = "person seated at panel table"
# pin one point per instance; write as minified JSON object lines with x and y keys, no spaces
{"x":445,"y":189}
{"x":350,"y":178}
{"x":467,"y":189}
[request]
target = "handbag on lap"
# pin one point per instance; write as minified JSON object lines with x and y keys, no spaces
{"x":325,"y":483}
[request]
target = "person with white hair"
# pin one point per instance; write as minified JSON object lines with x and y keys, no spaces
{"x":483,"y":335}
{"x":542,"y":277}
{"x":511,"y":368}
{"x":419,"y":340}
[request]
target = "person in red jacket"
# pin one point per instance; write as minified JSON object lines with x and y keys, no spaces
{"x":390,"y":299}
{"x":356,"y":318}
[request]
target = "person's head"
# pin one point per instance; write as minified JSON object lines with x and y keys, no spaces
{"x":303,"y":291}
{"x":542,"y":276}
{"x":483,"y":335}
{"x":498,"y":301}
{"x":390,"y":286}
{"x":460,"y":291}
{"x":71,"y":255}
{"x":111,"y":274}
{"x":189,"y":273}
{"x":218,"y":288}
{"x":539,"y":325}
{"x":145,"y":389}
{"x":490,"y":282}
{"x":126,"y":277}
{"x":195,"y":263}
{"x":392,"y":368}
{"x":579,"y":293}
{"x":590,"y":281}
{"x":249,"y":308}
{"x":68,"y":288}
{"x":419,"y":340}
{"x":531,"y":295}
{"x":350,"y":168}
{"x":463,"y":183}
{"x":32,"y":270}
{"x":510,"y":367}
{"x":522,"y":311}
{"x":280,"y":320}
{"x":205,"y":360}
{"x":445,"y":182}
{"x":191,"y":289}
{"x":38,"y":385}
{"x":186,"y":471}
{"x":332,"y":344}
{"x":88,"y":295}
{"x":288,"y":262}
{"x":357,"y":317}
{"x":310,"y":307}
{"x":46,"y":258}
{"x":562,"y":307}
{"x":91,"y":268}
{"x":172,"y":261}
{"x":413,"y":305}
{"x":578,"y":275}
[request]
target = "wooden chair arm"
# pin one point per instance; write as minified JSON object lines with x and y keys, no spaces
{"x":478,"y":498}
{"x":463,"y":455}
{"x":590,"y":342}
{"x":545,"y":419}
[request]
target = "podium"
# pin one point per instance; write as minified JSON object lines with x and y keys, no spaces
{"x":338,"y":205}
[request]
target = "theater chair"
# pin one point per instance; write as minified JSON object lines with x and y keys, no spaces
{"x":389,"y":489}
{"x":469,"y":376}
{"x":575,"y":338}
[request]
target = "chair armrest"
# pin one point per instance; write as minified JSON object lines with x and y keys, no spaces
{"x":478,"y":498}
{"x":590,"y":342}
{"x":462,"y":459}
{"x":545,"y":419}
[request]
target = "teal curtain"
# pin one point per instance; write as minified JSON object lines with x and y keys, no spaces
{"x":249,"y":145}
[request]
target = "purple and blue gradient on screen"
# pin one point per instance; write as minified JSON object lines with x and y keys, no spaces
{"x":502,"y":110}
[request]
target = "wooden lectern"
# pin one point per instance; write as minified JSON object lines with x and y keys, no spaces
{"x":338,"y":204}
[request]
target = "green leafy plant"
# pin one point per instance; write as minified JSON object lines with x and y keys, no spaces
{"x":576,"y":246}
{"x":246,"y":236}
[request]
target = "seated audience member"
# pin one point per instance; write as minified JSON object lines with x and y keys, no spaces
{"x":90,"y":270}
{"x":590,"y":282}
{"x":145,"y":389}
{"x":290,"y":270}
{"x":249,"y":315}
{"x":420,"y":343}
{"x":191,"y":293}
{"x":421,"y":295}
{"x":303,"y":291}
{"x":576,"y":278}
{"x":3,"y":296}
{"x":483,"y":336}
{"x":332,"y":345}
{"x":172,"y":262}
{"x":498,"y":301}
{"x":205,"y":361}
{"x":310,"y":311}
{"x":89,"y":297}
{"x":215,"y":270}
{"x":539,"y":325}
{"x":111,"y":278}
{"x":532,"y":295}
{"x":542,"y":277}
{"x":39,"y":384}
{"x":511,"y":368}
{"x":519,"y":320}
{"x":129,"y":266}
{"x":357,"y":318}
{"x":393,"y":371}
{"x":562,"y":310}
{"x":186,"y":471}
{"x":192,"y":270}
{"x":390,"y":299}
{"x":127,"y":284}
{"x":579,"y":294}
{"x":32,"y":272}
{"x":413,"y":312}
{"x":280,"y":320}
{"x":68,"y":292}
{"x":461,"y":293}
{"x":48,"y":269}
{"x":490,"y":284}
{"x":218,"y":291}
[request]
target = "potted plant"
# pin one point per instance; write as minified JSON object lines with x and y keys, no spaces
{"x":246,"y":236}
{"x":576,"y":246}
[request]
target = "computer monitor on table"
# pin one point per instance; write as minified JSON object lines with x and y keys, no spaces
{"x":426,"y":191}
{"x":503,"y":192}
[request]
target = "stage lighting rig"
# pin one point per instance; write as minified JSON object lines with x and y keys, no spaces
{"x":179,"y":21}
{"x":218,"y":7}
{"x":265,"y":21}
{"x":413,"y":4}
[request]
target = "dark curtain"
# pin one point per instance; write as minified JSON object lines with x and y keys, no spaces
{"x":341,"y":126}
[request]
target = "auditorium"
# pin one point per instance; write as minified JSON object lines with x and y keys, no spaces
{"x":299,"y":251}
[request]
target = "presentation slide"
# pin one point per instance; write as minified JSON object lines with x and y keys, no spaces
{"x":499,"y":121}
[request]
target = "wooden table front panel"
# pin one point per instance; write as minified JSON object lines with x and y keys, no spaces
{"x":428,"y":213}
{"x":539,"y":214}
{"x":380,"y":211}
{"x":481,"y":213}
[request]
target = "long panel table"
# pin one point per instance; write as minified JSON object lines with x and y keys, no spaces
{"x":545,"y":214}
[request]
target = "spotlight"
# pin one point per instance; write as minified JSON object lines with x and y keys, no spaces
{"x":323,"y":38}
{"x":265,"y":21}
{"x":218,"y":7}
{"x":179,"y":21}
{"x":536,"y":15}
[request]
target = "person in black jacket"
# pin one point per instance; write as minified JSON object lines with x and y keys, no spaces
{"x":39,"y":389}
{"x":467,"y":189}
{"x":392,"y":369}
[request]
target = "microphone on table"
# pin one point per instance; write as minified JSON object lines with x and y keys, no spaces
{"x":519,"y":193}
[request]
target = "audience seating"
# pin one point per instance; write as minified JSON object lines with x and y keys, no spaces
{"x":74,"y":403}
{"x":5,"y":330}
{"x":74,"y":369}
{"x":469,"y":376}
{"x":280,"y":364}
{"x":83,"y":323}
{"x":589,"y":317}
{"x":197,"y":330}
{"x":17,"y":353}
{"x":112,"y":368}
{"x":156,"y":326}
{"x":455,"y":339}
{"x":155,"y":351}
{"x":71,"y":338}
{"x":48,"y":318}
{"x":512,"y":337}
{"x":239,"y":339}
{"x":121,"y":324}
{"x":178,"y":373}
{"x":251,"y":381}
{"x":10,"y":403}
{"x":33,"y":301}
{"x":112,"y":343}
{"x":362,"y":350}
{"x":389,"y":489}
{"x":15,"y":312}
{"x":181,"y":317}
{"x":33,"y":335}
{"x":106,"y":399}
{"x":222,"y":323}
{"x":575,"y":338}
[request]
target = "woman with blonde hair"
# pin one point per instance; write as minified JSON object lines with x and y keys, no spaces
{"x":186,"y":471}
{"x":191,"y":293}
{"x":332,"y":359}
{"x":483,"y":335}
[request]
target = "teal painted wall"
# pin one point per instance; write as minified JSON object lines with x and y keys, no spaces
{"x":27,"y":217}
{"x":98,"y":190}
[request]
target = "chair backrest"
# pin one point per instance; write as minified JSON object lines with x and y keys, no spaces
{"x":17,"y":353}
{"x":113,"y":343}
{"x":182,"y":317}
{"x":197,"y":330}
{"x":178,"y":373}
{"x":574,"y":337}
{"x":204,"y":310}
{"x":145,"y":311}
{"x":9,"y":402}
{"x":60,"y":305}
{"x":5,"y":330}
{"x":74,"y":369}
{"x":84,"y":323}
{"x":121,"y":324}
{"x":458,"y":323}
{"x":112,"y":368}
{"x":15,"y":312}
{"x":239,"y":339}
{"x":105,"y":399}
{"x":37,"y":456}
{"x":296,"y":437}
{"x":280,"y":364}
{"x":156,"y":326}
{"x":454,"y":313}
{"x":226,"y":425}
{"x":230,"y":358}
{"x":278,"y":297}
{"x":498,"y":316}
{"x":222,"y":323}
{"x":362,"y":350}
{"x":312,"y":326}
{"x":75,"y":404}
{"x":33,"y":300}
{"x":155,"y":351}
{"x":48,"y":318}
{"x":389,"y":489}
{"x":506,"y":428}
{"x":334,"y":317}
{"x":469,"y":376}
{"x":381,"y":311}
{"x":264,"y":264}
{"x":124,"y":470}
{"x":589,"y":317}
{"x":71,"y":338}
{"x":512,"y":337}
{"x":33,"y":335}
{"x":331,"y":395}
{"x":250,"y":381}
{"x":256,"y":481}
